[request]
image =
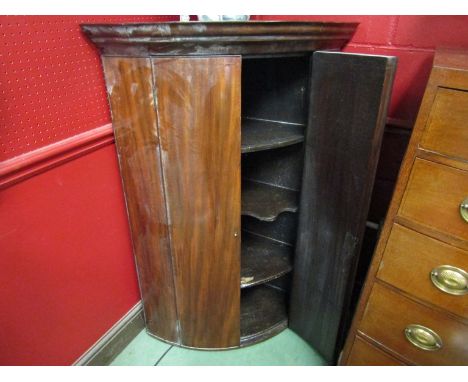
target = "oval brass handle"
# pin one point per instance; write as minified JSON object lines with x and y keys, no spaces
{"x":423,"y":338}
{"x":464,"y":209}
{"x":451,"y":280}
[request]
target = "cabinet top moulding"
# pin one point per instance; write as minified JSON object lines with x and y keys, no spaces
{"x":199,"y":38}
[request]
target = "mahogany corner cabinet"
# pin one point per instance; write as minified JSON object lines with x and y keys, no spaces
{"x":247,"y":158}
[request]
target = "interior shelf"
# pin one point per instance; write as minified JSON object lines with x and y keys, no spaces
{"x":265,"y":202}
{"x":263,"y":314}
{"x":263,"y":259}
{"x":260,"y":135}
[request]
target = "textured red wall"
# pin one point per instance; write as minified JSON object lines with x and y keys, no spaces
{"x":51,"y":82}
{"x":66,"y":267}
{"x":412,"y":39}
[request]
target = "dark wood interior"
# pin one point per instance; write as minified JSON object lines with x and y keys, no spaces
{"x":274,"y":116}
{"x":349,"y":98}
{"x":263,"y":313}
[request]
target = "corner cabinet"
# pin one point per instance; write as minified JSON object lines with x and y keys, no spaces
{"x":244,"y":219}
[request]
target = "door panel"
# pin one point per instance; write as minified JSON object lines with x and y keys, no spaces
{"x":130,"y":91}
{"x":348,"y":102}
{"x":198,"y":108}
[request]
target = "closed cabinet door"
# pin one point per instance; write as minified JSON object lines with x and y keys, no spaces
{"x":177,"y":130}
{"x":198,"y":116}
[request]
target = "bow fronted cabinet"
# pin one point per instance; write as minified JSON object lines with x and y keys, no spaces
{"x":247,"y":152}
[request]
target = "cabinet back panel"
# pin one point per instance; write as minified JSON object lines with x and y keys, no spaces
{"x":279,"y":167}
{"x":198,"y":107}
{"x":129,"y":86}
{"x":275,"y":88}
{"x":283,"y":229}
{"x":283,"y":283}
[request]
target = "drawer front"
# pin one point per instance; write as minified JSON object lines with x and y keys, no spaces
{"x":433,"y":198}
{"x":365,"y":354}
{"x":410,"y":258}
{"x":387,"y":316}
{"x":446,"y":130}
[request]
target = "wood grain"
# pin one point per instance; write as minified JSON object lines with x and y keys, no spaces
{"x":451,"y":58}
{"x":349,"y":97}
{"x":196,"y":38}
{"x":432,"y":199}
{"x":408,"y":260}
{"x":446,"y":131}
{"x":198,"y":106}
{"x":263,"y":313}
{"x":437,"y":158}
{"x":387,"y":315}
{"x":129,"y":86}
{"x":266,"y":202}
{"x":263,"y":259}
{"x":258,"y":135}
{"x":365,"y":354}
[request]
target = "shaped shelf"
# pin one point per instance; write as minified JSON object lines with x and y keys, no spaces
{"x":263,"y":260}
{"x":265,"y":202}
{"x":263,"y":314}
{"x":260,"y":135}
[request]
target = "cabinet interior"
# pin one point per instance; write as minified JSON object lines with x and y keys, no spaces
{"x":274,"y":120}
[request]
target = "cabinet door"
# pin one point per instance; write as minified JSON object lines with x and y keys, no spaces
{"x":348,"y":102}
{"x":198,"y":112}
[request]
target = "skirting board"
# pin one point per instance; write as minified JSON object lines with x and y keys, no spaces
{"x":104,"y":351}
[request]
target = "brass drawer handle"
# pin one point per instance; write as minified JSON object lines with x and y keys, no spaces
{"x":464,"y":209}
{"x":451,"y":280}
{"x":423,"y":338}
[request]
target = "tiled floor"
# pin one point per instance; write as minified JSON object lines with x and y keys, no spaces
{"x":285,"y":349}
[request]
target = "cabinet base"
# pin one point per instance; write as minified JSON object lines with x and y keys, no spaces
{"x":265,"y":335}
{"x":245,"y":341}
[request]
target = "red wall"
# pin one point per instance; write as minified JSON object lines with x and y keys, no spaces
{"x":66,"y":267}
{"x":412,"y":39}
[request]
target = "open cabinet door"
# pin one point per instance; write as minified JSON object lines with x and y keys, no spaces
{"x":349,"y":94}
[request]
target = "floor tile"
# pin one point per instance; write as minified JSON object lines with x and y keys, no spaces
{"x":285,"y":349}
{"x":144,"y":350}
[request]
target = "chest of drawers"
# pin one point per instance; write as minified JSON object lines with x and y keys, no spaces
{"x":414,"y":306}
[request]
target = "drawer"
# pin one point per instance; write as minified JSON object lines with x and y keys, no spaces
{"x":446,"y":130}
{"x":408,"y":261}
{"x":388,"y":314}
{"x":365,"y":354}
{"x":433,"y":197}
